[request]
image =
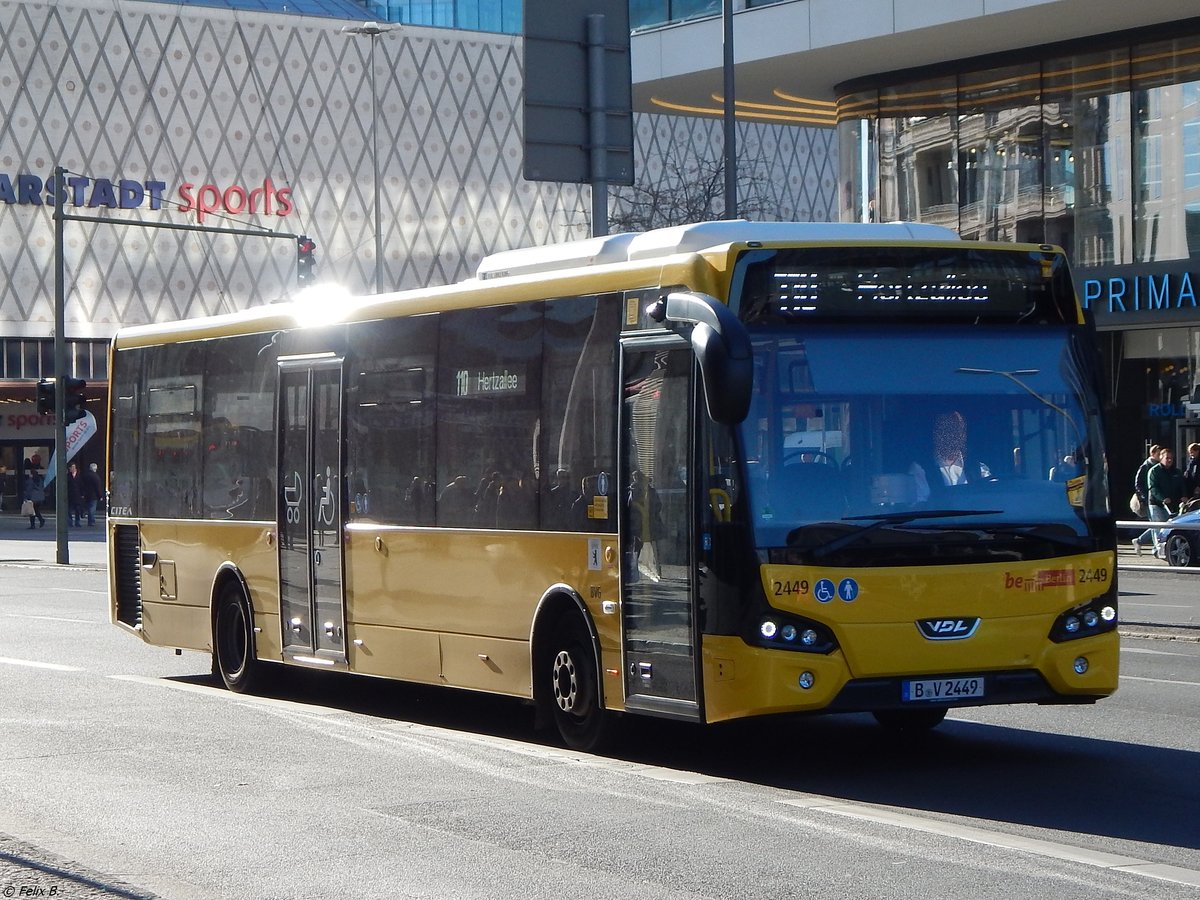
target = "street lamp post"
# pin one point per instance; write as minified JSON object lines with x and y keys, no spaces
{"x":374,"y":30}
{"x":729,"y":110}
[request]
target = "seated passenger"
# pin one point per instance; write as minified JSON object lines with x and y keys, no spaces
{"x":951,"y":465}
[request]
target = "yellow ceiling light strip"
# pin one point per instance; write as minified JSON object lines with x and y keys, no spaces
{"x":828,"y":112}
{"x":746,"y":111}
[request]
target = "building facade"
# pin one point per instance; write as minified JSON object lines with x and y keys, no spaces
{"x":397,"y":149}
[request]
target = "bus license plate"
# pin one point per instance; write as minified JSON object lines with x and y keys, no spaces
{"x":942,"y":689}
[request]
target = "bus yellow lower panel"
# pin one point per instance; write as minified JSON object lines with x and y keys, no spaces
{"x":741,"y":680}
{"x":174,"y":625}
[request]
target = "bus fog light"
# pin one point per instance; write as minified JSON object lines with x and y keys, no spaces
{"x":1072,"y":624}
{"x":808,"y":637}
{"x":788,"y":632}
{"x":767,"y":629}
{"x":807,"y":679}
{"x":1091,"y":618}
{"x":1081,"y":665}
{"x":1108,"y":614}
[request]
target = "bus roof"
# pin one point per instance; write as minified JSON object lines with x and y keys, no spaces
{"x":567,"y":262}
{"x":661,"y":242}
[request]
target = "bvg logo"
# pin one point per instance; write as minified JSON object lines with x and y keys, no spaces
{"x":948,"y":629}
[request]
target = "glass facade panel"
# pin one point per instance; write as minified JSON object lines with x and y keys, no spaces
{"x":858,"y":118}
{"x":502,"y":16}
{"x":1085,"y":112}
{"x":644,"y":13}
{"x":1165,"y":120}
{"x":1098,"y":152}
{"x":1000,"y":150}
{"x":917,"y":153}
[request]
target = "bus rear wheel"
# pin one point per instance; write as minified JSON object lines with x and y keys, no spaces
{"x":910,"y":720}
{"x":233,"y":642}
{"x":570,"y":687}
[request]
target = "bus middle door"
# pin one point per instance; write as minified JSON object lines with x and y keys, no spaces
{"x":310,"y":513}
{"x":657,"y":511}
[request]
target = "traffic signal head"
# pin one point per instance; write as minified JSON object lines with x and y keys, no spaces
{"x":45,"y":397}
{"x":305,"y":260}
{"x":74,"y":400}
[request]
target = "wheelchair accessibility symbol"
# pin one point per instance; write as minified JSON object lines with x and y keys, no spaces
{"x":823,"y":590}
{"x":848,"y":589}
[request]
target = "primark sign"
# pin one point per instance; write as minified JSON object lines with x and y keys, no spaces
{"x":1154,"y":293}
{"x":28,"y":189}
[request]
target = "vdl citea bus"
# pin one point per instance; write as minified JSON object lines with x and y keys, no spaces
{"x":707,"y":472}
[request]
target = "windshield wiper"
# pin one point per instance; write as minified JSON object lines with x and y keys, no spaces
{"x":1044,"y":532}
{"x":878,"y":521}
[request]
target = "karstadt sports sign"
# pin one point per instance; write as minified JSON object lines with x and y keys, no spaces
{"x":267,"y":199}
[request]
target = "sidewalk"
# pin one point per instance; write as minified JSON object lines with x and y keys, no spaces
{"x":39,"y":546}
{"x":1128,"y":558}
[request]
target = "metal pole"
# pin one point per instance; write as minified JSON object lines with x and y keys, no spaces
{"x":375,"y":167}
{"x":597,"y":125}
{"x":60,"y":373}
{"x":373,"y":30}
{"x":729,"y":120}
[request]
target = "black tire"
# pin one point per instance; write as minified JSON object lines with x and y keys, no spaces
{"x":233,"y":642}
{"x":1179,"y":551}
{"x":570,"y":689}
{"x":911,"y":720}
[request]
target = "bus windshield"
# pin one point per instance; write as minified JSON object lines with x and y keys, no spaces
{"x":882,"y":437}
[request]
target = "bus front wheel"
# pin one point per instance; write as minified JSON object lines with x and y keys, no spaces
{"x":571,"y":690}
{"x":233,"y":642}
{"x":910,"y":720}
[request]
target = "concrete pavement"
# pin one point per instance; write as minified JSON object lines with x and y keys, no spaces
{"x":28,"y":870}
{"x":39,"y":546}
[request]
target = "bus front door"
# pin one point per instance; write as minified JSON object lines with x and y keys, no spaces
{"x":311,"y":605}
{"x":658,"y":559}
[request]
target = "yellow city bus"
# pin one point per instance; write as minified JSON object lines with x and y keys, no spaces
{"x":707,"y":472}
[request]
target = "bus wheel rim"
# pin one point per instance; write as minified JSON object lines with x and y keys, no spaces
{"x":566,"y":682}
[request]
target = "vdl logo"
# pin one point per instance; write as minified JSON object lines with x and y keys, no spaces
{"x":948,"y":629}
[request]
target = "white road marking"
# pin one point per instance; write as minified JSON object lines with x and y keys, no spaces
{"x":1051,"y":849}
{"x":55,"y":619}
{"x":38,"y":665}
{"x":1160,"y":680}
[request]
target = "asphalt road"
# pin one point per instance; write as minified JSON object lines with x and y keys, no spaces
{"x":126,"y":772}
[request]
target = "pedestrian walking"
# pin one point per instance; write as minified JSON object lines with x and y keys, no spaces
{"x":34,"y":494}
{"x":74,"y":495}
{"x":1166,"y":492}
{"x":1141,"y":490}
{"x":92,"y":490}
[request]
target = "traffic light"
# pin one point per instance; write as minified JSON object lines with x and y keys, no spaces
{"x":305,"y":263}
{"x":45,"y":397}
{"x":74,"y":401}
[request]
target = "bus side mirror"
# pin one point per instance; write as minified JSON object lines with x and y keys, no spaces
{"x":722,"y":349}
